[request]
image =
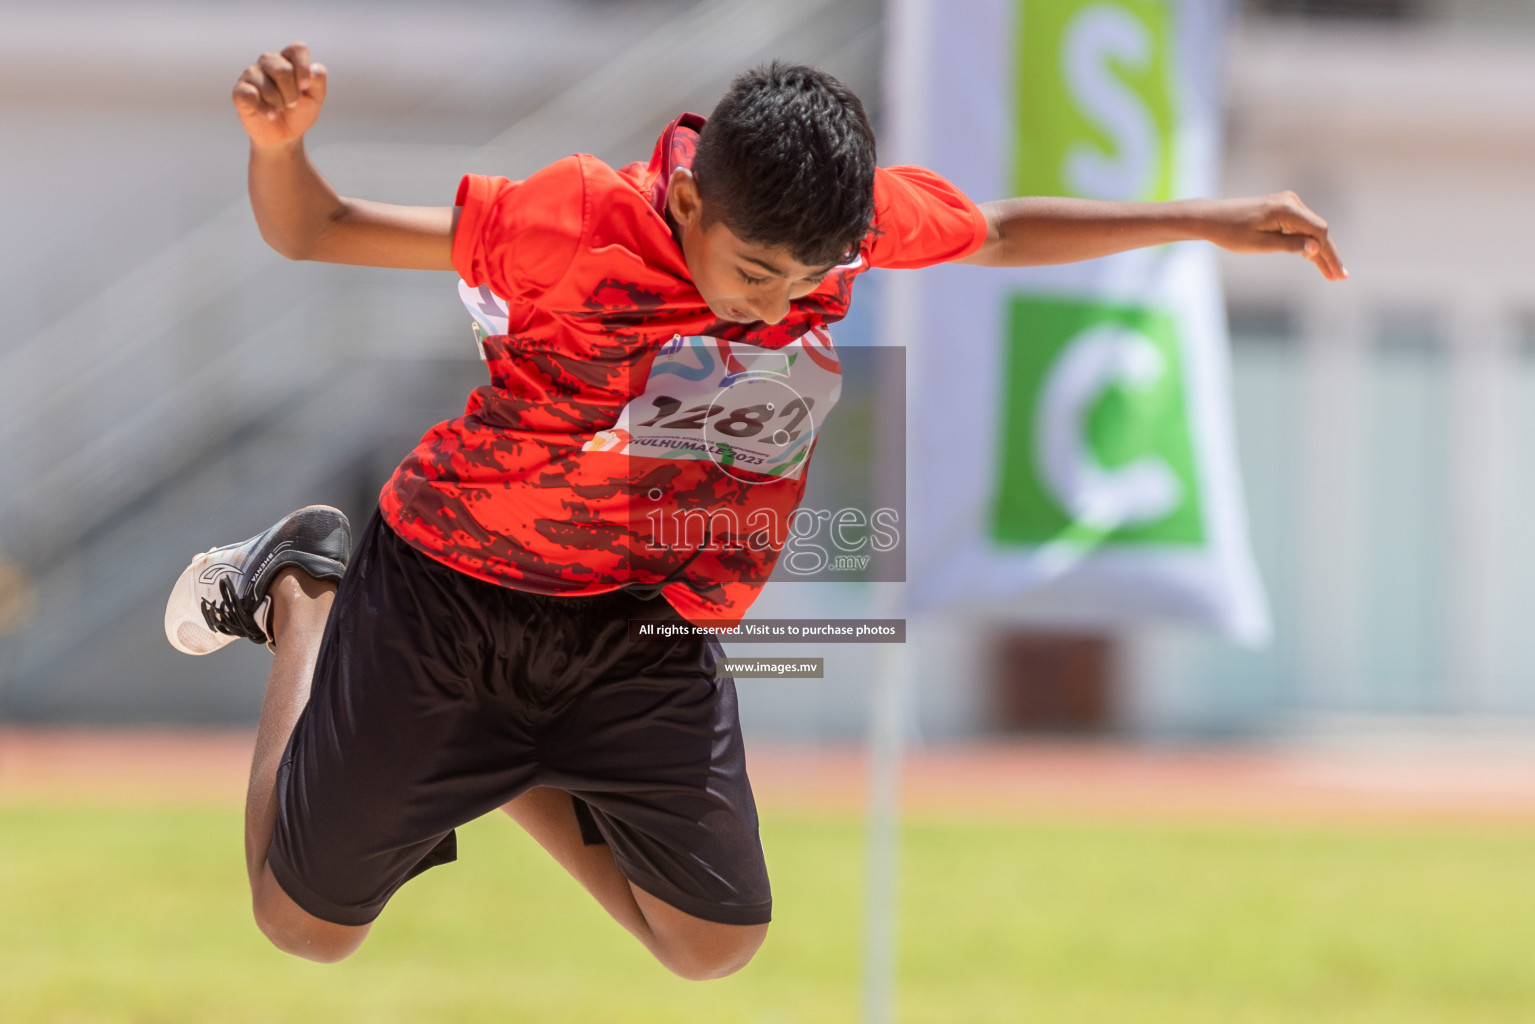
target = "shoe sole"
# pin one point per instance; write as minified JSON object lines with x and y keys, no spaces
{"x":183,"y":616}
{"x":184,"y":626}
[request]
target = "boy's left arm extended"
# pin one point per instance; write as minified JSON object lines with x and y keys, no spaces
{"x":1034,"y":231}
{"x":278,"y":99}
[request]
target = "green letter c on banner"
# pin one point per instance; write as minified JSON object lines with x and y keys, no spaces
{"x":1141,"y":491}
{"x":1095,"y":442}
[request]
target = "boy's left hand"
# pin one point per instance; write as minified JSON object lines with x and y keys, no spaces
{"x":1275,"y":223}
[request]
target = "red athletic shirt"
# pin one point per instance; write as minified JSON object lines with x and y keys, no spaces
{"x":595,"y":284}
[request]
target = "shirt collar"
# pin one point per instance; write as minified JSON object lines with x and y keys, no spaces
{"x":675,"y":148}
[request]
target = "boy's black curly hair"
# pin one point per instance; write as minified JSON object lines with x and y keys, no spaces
{"x":787,"y":160}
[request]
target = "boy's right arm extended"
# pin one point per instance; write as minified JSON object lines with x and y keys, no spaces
{"x":278,"y":99}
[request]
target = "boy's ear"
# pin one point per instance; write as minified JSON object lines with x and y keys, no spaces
{"x":682,"y":197}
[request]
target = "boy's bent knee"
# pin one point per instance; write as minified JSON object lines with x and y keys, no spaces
{"x":715,"y":953}
{"x":294,"y":930}
{"x":692,"y":947}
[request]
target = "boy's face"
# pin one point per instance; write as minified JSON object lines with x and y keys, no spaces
{"x":741,"y":281}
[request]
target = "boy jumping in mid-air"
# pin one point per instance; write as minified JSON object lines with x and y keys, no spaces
{"x":475,"y":653}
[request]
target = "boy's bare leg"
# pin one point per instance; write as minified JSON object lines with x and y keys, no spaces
{"x":688,"y":946}
{"x":300,"y":606}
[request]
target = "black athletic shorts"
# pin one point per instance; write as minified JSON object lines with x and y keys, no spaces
{"x":439,"y":697}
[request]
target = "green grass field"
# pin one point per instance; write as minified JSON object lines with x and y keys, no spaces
{"x":139,"y":914}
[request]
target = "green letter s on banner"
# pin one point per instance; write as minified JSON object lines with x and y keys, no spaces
{"x":1093,"y":99}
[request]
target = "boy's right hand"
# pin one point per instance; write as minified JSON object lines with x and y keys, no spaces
{"x":278,"y":98}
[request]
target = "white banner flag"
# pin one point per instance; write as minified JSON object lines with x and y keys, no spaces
{"x":1070,"y":435}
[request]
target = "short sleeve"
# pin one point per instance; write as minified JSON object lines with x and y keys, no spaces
{"x":520,"y":237}
{"x":921,"y":219}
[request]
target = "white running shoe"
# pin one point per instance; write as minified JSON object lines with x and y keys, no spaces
{"x":222,"y":595}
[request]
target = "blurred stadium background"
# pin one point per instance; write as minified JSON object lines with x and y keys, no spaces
{"x":166,"y":382}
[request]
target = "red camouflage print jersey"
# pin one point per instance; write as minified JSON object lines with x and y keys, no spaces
{"x":595,"y":285}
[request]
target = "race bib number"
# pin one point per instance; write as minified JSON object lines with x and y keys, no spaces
{"x":743,"y":407}
{"x":740,"y":406}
